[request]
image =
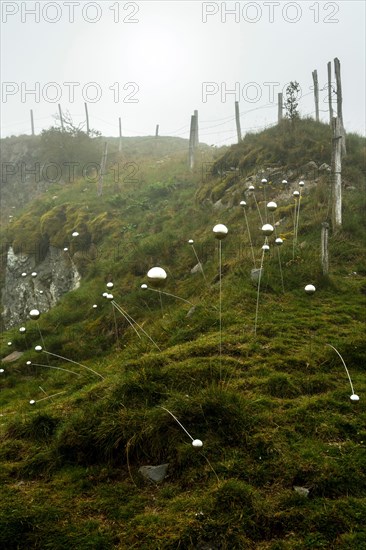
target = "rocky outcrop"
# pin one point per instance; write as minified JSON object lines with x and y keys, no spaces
{"x":29,"y":285}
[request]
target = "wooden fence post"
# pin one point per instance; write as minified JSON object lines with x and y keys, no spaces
{"x":103,"y":165}
{"x":324,"y":248}
{"x":329,"y":66}
{"x":280,"y":107}
{"x":191,"y":151}
{"x":337,"y":172}
{"x":316,"y":94}
{"x":32,"y":121}
{"x":237,"y":118}
{"x":87,"y":118}
{"x":337,"y":70}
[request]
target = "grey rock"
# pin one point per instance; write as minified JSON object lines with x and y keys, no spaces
{"x":154,"y":473}
{"x":303,"y":491}
{"x":324,"y":167}
{"x":57,"y":274}
{"x":191,"y":311}
{"x":197,"y":268}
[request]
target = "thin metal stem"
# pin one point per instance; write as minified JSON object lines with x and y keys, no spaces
{"x":49,"y":396}
{"x":258,"y":289}
{"x":125,"y":316}
{"x":298,"y":215}
{"x":259,"y":212}
{"x":115,"y":325}
{"x":176,"y":419}
{"x":250,"y":239}
{"x":75,"y":363}
{"x":294,"y":238}
{"x":169,"y":294}
{"x":220,"y":303}
{"x":200,"y":263}
{"x":57,"y":368}
{"x":344,"y":364}
{"x":279,"y":254}
{"x":133,"y":320}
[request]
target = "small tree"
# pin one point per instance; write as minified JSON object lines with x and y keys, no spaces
{"x":291,"y":103}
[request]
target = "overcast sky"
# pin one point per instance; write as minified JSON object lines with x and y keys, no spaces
{"x":155,"y":62}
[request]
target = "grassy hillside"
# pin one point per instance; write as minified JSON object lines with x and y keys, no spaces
{"x":282,"y":464}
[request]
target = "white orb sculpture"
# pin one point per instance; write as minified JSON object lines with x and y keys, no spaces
{"x":34,"y":314}
{"x":24,"y":274}
{"x":95,"y":306}
{"x":220,"y":231}
{"x":310,"y":289}
{"x":197,"y":443}
{"x":75,"y":234}
{"x":301,"y":183}
{"x":32,"y":402}
{"x":41,"y":291}
{"x":34,"y":274}
{"x":28,"y":363}
{"x":296,"y":193}
{"x":105,"y":294}
{"x":271,"y":206}
{"x":278,"y":241}
{"x":38,"y":348}
{"x":191,"y":241}
{"x":267,"y":229}
{"x":22,"y":330}
{"x":66,"y":249}
{"x":251,"y":188}
{"x":284,"y":181}
{"x":243,"y":204}
{"x":264,"y":180}
{"x":10,"y":343}
{"x":265,"y":247}
{"x":157,"y":276}
{"x":354,"y":397}
{"x":1,"y":371}
{"x":109,"y":296}
{"x":110,"y":285}
{"x":144,"y":287}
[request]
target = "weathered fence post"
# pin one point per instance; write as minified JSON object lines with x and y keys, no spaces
{"x":337,"y":70}
{"x":324,"y":248}
{"x":32,"y":121}
{"x":329,"y":66}
{"x":191,"y":151}
{"x":103,"y":165}
{"x":237,"y":118}
{"x":337,"y":172}
{"x":280,"y":107}
{"x":316,"y":94}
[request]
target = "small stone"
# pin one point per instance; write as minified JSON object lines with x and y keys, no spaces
{"x":303,"y":491}
{"x":154,"y":473}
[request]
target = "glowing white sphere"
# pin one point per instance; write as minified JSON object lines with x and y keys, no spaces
{"x":31,"y":402}
{"x":157,"y":276}
{"x":144,"y":287}
{"x":272,"y":206}
{"x":264,"y":180}
{"x":191,"y":241}
{"x":75,"y":234}
{"x":66,"y":249}
{"x":24,"y":274}
{"x":284,"y":181}
{"x":22,"y":330}
{"x":265,"y":247}
{"x":220,"y":231}
{"x":243,"y":203}
{"x":28,"y":363}
{"x":310,"y":289}
{"x":301,"y":183}
{"x":1,"y":371}
{"x":197,"y":443}
{"x":354,"y":397}
{"x":41,"y":291}
{"x":95,"y":306}
{"x":109,"y":296}
{"x":267,"y":229}
{"x":34,"y":314}
{"x":296,"y":193}
{"x":10,"y":343}
{"x":251,"y":187}
{"x":105,"y":294}
{"x":38,"y":348}
{"x":110,"y":285}
{"x":279,"y":241}
{"x":34,"y":274}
